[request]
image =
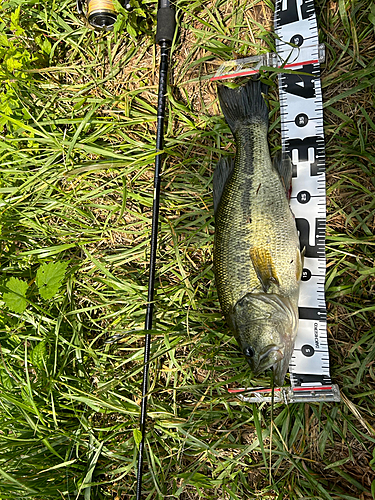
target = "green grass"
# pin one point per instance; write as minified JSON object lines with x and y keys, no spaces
{"x":77,"y":150}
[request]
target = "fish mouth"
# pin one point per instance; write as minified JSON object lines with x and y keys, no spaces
{"x":265,"y":326}
{"x":281,"y":368}
{"x":267,"y":358}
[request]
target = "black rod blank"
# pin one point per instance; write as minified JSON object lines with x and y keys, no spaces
{"x":166,"y":24}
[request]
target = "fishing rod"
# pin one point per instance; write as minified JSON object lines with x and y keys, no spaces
{"x":166,"y":24}
{"x":101,"y":14}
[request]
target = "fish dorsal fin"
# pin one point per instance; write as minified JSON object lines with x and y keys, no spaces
{"x":223,"y":171}
{"x":264,"y":267}
{"x":283,"y":166}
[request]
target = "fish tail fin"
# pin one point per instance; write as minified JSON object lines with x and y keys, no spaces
{"x":244,"y":104}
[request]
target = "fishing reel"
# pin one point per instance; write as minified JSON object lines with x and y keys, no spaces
{"x":100,"y":14}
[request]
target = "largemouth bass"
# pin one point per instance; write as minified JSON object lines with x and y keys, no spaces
{"x":257,"y":258}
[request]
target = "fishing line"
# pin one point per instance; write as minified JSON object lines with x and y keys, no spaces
{"x":272,"y":423}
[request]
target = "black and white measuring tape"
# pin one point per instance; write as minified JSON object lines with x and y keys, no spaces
{"x":301,"y":109}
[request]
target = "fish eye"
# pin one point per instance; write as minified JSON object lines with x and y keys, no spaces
{"x":249,"y":352}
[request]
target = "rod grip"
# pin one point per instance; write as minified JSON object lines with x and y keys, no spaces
{"x":166,"y":24}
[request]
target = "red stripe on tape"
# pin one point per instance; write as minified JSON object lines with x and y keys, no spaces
{"x":253,"y":71}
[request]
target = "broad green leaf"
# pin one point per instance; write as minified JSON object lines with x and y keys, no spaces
{"x":132,"y":32}
{"x":46,"y":46}
{"x":38,"y":355}
{"x":49,"y":277}
{"x":16,"y":298}
{"x":137,"y":434}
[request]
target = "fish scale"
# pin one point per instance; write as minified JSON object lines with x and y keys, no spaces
{"x":238,"y":234}
{"x":256,"y":257}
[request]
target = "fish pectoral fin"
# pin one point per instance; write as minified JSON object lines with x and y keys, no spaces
{"x":283,"y":165}
{"x":223,"y":171}
{"x":264,"y":267}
